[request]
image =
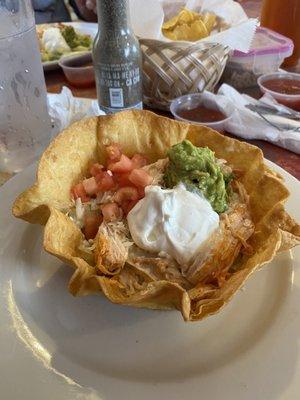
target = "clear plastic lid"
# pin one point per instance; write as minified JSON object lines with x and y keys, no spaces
{"x":267,"y":42}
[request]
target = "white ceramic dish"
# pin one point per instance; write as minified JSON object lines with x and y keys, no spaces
{"x":55,"y":346}
{"x":88,"y":28}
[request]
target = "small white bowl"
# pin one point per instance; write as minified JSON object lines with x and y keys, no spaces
{"x":190,"y":102}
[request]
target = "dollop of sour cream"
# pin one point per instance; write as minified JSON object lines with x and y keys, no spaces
{"x":174,"y":221}
{"x":53,"y":41}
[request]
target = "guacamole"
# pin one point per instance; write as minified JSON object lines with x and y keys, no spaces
{"x":197,"y":168}
{"x":76,"y":41}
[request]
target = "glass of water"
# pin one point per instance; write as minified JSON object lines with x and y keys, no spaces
{"x":25,"y":126}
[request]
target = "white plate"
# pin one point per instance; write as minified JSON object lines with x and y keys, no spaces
{"x":87,"y":28}
{"x":57,"y":347}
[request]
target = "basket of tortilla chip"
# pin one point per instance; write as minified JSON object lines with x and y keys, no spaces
{"x":156,"y":213}
{"x":182,"y":63}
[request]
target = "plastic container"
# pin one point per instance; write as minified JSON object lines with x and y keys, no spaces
{"x":267,"y":53}
{"x":193,"y":100}
{"x":289,"y":100}
{"x":79,"y":69}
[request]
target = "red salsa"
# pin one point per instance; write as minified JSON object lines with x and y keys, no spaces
{"x":79,"y":64}
{"x":283,"y":86}
{"x":286,"y":91}
{"x":202,"y":114}
{"x":87,"y":64}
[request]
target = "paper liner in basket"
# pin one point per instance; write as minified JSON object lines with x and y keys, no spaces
{"x":233,"y":28}
{"x":66,"y":161}
{"x":175,"y":68}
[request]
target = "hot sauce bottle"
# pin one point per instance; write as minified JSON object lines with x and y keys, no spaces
{"x":117,"y":58}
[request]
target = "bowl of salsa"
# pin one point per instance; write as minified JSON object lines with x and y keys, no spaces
{"x":283,"y":86}
{"x":195,"y":109}
{"x":78,"y":69}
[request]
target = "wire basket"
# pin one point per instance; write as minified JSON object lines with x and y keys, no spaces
{"x":172,"y":69}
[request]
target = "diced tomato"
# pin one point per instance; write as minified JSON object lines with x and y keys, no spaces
{"x":126,"y":193}
{"x":105,"y":182}
{"x":122,"y":179}
{"x":99,"y":176}
{"x":121,"y":166}
{"x":141,"y":192}
{"x":92,"y":221}
{"x":139,"y":177}
{"x":111,"y":212}
{"x":90,"y":186}
{"x":139,"y":161}
{"x":128,"y":205}
{"x":78,"y":191}
{"x":114,"y":152}
{"x":96,"y":169}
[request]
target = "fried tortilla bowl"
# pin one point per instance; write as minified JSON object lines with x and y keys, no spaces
{"x":255,"y":228}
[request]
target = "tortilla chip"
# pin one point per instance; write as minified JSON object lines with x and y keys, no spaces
{"x":66,"y":161}
{"x":209,"y":21}
{"x":189,"y":26}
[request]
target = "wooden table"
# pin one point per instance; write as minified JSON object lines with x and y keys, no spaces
{"x":288,"y":160}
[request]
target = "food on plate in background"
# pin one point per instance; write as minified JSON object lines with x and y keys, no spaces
{"x":180,"y":226}
{"x":189,"y":25}
{"x":56,"y":40}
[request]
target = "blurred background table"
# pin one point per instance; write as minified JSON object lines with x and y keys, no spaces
{"x":288,"y":160}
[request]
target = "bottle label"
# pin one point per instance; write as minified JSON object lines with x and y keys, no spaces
{"x":118,"y":85}
{"x":116,"y":97}
{"x":110,"y":110}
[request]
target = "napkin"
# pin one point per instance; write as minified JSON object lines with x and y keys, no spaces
{"x":249,"y":125}
{"x":147,"y":17}
{"x":64,"y":109}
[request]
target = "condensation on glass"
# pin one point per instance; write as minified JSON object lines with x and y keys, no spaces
{"x":25,"y":125}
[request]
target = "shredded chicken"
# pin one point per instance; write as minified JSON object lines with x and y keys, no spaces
{"x":156,"y":170}
{"x":223,"y":164}
{"x":132,"y":281}
{"x":236,"y":227}
{"x":157,"y":268}
{"x":111,"y":248}
{"x":88,"y":245}
{"x":105,"y":197}
{"x":86,"y":250}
